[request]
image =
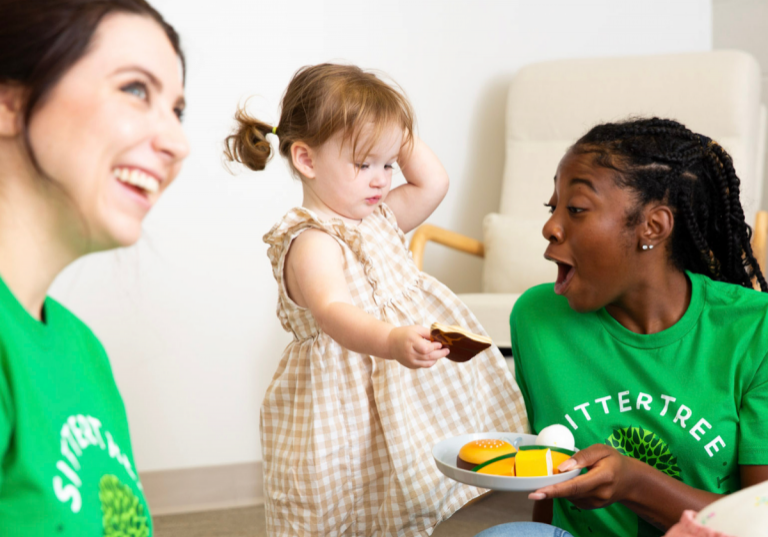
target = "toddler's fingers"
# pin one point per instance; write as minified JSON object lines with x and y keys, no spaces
{"x":423,"y":331}
{"x":423,"y":346}
{"x":438,"y":354}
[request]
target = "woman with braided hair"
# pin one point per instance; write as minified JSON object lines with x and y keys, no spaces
{"x":651,"y":345}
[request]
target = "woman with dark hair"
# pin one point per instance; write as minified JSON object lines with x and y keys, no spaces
{"x":91,"y":97}
{"x":652,"y":345}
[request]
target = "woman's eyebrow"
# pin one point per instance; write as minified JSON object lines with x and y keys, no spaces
{"x":587,"y":182}
{"x":152,"y":78}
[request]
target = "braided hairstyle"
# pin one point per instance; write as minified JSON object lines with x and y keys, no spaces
{"x":663,"y":161}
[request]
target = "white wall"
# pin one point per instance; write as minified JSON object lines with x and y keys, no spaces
{"x":187,"y":315}
{"x":743,"y":24}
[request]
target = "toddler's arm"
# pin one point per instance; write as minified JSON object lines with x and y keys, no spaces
{"x":314,"y":276}
{"x":427,"y":184}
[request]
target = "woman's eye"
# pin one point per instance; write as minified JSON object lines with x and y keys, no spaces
{"x":575,"y":210}
{"x":550,"y":207}
{"x":139,"y":89}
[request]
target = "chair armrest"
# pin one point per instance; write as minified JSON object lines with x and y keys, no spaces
{"x":457,"y":241}
{"x":760,"y":238}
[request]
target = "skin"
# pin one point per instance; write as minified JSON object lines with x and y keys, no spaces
{"x":117,"y":107}
{"x":644,"y":292}
{"x":335,"y":186}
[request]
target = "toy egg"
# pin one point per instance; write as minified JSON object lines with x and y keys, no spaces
{"x":556,"y":436}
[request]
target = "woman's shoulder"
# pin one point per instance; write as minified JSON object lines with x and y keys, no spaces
{"x":69,"y":323}
{"x":732,"y":299}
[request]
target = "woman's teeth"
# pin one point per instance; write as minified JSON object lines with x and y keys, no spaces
{"x":136,"y":178}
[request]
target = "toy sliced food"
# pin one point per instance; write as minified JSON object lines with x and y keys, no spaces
{"x":534,"y":463}
{"x":505,"y":465}
{"x":481,"y":451}
{"x":540,"y":459}
{"x":463,"y":344}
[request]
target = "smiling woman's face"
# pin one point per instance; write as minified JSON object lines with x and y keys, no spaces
{"x":109,"y":133}
{"x":596,"y":252}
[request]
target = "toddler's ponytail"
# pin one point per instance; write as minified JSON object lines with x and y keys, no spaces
{"x":248,"y":145}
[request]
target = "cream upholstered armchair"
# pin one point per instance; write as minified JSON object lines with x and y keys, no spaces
{"x":551,"y":104}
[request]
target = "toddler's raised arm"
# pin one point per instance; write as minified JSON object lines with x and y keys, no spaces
{"x":314,"y":275}
{"x":427,"y":184}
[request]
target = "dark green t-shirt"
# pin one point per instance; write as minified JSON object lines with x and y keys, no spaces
{"x":67,"y":465}
{"x":692,"y":400}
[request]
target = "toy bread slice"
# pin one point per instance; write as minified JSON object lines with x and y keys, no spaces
{"x":463,"y":345}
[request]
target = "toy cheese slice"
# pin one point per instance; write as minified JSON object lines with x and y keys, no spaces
{"x":533,"y":463}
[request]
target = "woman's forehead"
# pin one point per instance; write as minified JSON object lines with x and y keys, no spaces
{"x":128,"y":40}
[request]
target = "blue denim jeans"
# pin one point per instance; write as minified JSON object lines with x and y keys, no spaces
{"x":524,"y":529}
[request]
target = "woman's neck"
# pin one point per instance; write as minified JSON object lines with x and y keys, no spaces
{"x":655,"y":303}
{"x":34,"y":247}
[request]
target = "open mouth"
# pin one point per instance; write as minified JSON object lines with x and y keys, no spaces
{"x":565,"y":274}
{"x":373,"y":200}
{"x":137,"y":180}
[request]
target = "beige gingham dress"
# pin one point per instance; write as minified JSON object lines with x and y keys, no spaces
{"x":347,"y":438}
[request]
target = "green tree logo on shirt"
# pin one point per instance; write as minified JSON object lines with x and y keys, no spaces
{"x":123,"y":513}
{"x":646,"y":447}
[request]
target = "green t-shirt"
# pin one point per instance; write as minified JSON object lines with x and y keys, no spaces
{"x":691,"y":400}
{"x":67,"y":465}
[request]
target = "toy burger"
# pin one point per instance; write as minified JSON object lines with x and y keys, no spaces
{"x":554,"y":445}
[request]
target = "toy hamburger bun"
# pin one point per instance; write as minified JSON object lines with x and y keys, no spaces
{"x":462,"y":344}
{"x":480,"y":451}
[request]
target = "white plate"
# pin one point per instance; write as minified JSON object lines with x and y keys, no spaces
{"x":446,"y":451}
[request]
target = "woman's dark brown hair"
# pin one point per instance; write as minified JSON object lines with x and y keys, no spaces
{"x":41,"y":39}
{"x":320,"y":101}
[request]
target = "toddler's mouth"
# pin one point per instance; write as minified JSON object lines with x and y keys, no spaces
{"x":373,"y":201}
{"x":565,"y":273}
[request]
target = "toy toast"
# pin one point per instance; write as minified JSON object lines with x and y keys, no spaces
{"x":463,"y":345}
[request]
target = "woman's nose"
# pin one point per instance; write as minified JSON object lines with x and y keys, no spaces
{"x":553,"y":231}
{"x":171,"y":140}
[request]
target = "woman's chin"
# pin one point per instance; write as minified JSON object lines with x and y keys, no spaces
{"x":116,"y":236}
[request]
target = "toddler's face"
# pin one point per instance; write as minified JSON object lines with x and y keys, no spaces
{"x":595,"y":250}
{"x":348,"y":189}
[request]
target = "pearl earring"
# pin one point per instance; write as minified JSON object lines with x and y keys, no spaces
{"x":647,"y":246}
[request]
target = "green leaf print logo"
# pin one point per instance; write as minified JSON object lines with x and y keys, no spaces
{"x":123,"y":513}
{"x":646,"y":447}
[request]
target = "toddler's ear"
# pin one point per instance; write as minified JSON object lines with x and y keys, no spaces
{"x":11,"y":102}
{"x":302,"y":155}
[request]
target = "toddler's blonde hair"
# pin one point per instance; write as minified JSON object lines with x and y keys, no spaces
{"x":320,"y":101}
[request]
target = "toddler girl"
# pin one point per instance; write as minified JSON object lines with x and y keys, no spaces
{"x":361,"y":395}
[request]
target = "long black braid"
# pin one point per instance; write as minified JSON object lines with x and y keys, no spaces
{"x":663,"y":161}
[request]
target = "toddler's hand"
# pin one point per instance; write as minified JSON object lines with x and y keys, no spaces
{"x":411,"y":346}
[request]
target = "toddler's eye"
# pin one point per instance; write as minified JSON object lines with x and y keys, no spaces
{"x":362,"y":166}
{"x":179,"y":113}
{"x":138,"y":89}
{"x":389,"y":166}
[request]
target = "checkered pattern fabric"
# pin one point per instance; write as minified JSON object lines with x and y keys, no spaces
{"x":347,"y":438}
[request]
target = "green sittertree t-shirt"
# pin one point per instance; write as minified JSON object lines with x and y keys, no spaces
{"x":691,"y":401}
{"x":67,"y":465}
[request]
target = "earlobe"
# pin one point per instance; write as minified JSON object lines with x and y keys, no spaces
{"x":302,"y":158}
{"x":659,"y":224}
{"x":11,"y":101}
